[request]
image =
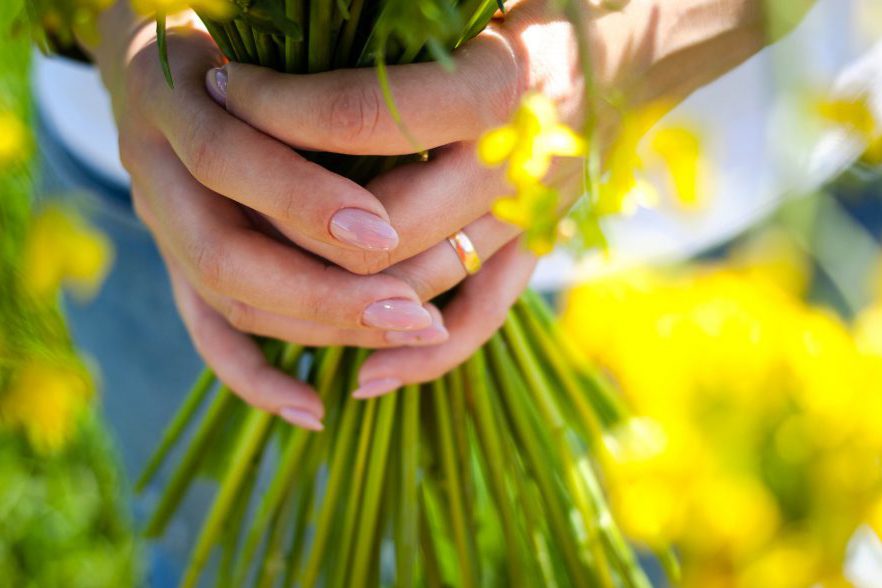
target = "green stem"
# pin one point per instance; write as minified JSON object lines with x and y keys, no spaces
{"x":468,"y":567}
{"x":295,"y":10}
{"x":350,"y":516}
{"x":364,"y":540}
{"x":539,"y":452}
{"x":246,"y":35}
{"x":173,"y":432}
{"x":251,"y":440}
{"x":343,"y":54}
{"x":407,"y":538}
{"x":487,"y":427}
{"x":222,"y":406}
{"x":319,"y":53}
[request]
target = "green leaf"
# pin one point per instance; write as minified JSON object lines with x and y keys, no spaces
{"x":162,"y":45}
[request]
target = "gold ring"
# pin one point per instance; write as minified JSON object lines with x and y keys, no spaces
{"x":466,"y":252}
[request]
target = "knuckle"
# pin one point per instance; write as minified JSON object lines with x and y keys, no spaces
{"x":353,"y":112}
{"x":289,"y":208}
{"x":424,"y":278}
{"x":200,"y":154}
{"x":240,"y":316}
{"x":366,"y":263}
{"x":208,"y":263}
{"x":497,"y":82}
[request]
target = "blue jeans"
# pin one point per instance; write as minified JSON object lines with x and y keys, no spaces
{"x":142,"y":355}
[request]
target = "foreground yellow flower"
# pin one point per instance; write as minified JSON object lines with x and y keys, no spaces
{"x":528,"y":146}
{"x":62,"y":250}
{"x":673,"y":149}
{"x":530,"y":142}
{"x":45,"y":402}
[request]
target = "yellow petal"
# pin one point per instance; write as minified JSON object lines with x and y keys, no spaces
{"x":496,"y":145}
{"x":540,"y":109}
{"x":88,"y":260}
{"x":511,"y":210}
{"x":561,"y":140}
{"x":680,"y":149}
{"x":528,"y":166}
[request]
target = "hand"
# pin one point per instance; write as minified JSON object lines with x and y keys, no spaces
{"x":229,"y":273}
{"x":344,"y":111}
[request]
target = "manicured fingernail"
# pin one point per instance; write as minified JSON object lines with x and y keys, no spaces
{"x":431,"y":336}
{"x":397,"y":314}
{"x":378,"y":387}
{"x":216,"y":82}
{"x":301,"y":418}
{"x":363,"y":229}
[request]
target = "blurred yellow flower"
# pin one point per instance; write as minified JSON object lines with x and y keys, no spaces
{"x":62,"y":250}
{"x":856,"y":116}
{"x":530,"y":141}
{"x":757,"y":444}
{"x":13,"y":139}
{"x":528,"y":145}
{"x":673,"y":149}
{"x":45,"y":402}
{"x":215,"y":9}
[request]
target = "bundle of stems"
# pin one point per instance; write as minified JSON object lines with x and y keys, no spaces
{"x":484,"y":477}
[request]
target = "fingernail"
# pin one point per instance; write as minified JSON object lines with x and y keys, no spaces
{"x":216,"y":82}
{"x":363,"y":229}
{"x":397,"y":314}
{"x":301,"y":418}
{"x":378,"y":387}
{"x":431,"y":336}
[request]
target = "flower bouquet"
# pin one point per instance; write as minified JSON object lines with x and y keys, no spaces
{"x":484,"y":477}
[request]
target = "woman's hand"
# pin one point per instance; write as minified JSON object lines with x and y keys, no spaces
{"x":442,"y":111}
{"x":648,"y":52}
{"x":231,"y":273}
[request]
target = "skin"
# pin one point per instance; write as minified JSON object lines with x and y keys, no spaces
{"x":245,"y":225}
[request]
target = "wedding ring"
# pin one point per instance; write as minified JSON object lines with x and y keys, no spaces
{"x":465,"y":251}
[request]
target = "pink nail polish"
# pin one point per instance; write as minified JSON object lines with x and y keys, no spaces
{"x":301,"y":418}
{"x":431,"y":336}
{"x":378,"y":387}
{"x":363,"y":229}
{"x":397,"y":314}
{"x":216,"y":83}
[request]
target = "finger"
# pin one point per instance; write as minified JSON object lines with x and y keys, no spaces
{"x":255,"y":321}
{"x":231,"y":158}
{"x":240,"y":364}
{"x":220,"y":250}
{"x":426,"y":202}
{"x":440,"y":268}
{"x":478,"y":310}
{"x":344,"y":111}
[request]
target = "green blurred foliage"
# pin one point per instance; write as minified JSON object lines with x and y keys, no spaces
{"x":63,"y":522}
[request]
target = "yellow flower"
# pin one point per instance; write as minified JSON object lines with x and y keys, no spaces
{"x":215,"y":9}
{"x":61,"y":249}
{"x":856,"y":116}
{"x":761,"y":454}
{"x":529,"y":144}
{"x":534,"y":209}
{"x":530,"y":141}
{"x":676,"y":150}
{"x":13,"y":139}
{"x":45,"y":402}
